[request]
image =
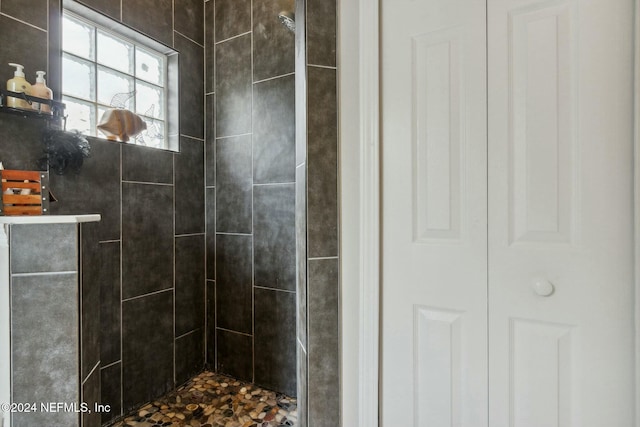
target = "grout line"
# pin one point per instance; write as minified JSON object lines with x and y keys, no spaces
{"x":121,"y":281}
{"x":235,"y":332}
{"x":236,"y":36}
{"x":24,"y":22}
{"x":328,"y":67}
{"x":322,"y":257}
{"x":46,"y":273}
{"x":91,"y":373}
{"x":274,"y":289}
{"x":209,"y":93}
{"x":190,"y":137}
{"x":110,"y":365}
{"x":187,"y":333}
{"x":189,"y":235}
{"x":188,"y":38}
{"x":233,"y":234}
{"x":273,"y":183}
{"x":232,"y":136}
{"x":210,"y":186}
{"x":253,"y":249}
{"x":147,"y":295}
{"x":274,"y":78}
{"x":173,"y":165}
{"x":108,"y":241}
{"x":146,"y":183}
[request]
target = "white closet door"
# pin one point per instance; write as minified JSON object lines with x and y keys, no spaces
{"x":434,"y":308}
{"x":561,"y":308}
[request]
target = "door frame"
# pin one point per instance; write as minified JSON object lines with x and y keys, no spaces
{"x":360,"y":173}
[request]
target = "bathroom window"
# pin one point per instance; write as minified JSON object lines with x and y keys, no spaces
{"x":103,"y":68}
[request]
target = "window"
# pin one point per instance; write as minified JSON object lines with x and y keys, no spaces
{"x":102,"y":69}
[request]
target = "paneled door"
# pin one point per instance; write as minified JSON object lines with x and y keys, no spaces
{"x":561,"y":312}
{"x":434,"y":279}
{"x":507,"y":263}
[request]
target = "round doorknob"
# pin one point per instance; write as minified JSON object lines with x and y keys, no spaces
{"x":542,"y":287}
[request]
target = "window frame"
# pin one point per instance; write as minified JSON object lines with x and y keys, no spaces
{"x":121,"y":31}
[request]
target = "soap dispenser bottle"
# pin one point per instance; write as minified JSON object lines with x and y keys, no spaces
{"x":18,"y":84}
{"x":41,"y":90}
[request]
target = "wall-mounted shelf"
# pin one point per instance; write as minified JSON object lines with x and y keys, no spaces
{"x":57,"y":108}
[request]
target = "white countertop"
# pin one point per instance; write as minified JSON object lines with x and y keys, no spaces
{"x":48,"y":219}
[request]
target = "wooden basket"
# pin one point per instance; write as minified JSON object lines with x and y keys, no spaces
{"x":15,"y":186}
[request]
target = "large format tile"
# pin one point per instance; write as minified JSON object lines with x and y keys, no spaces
{"x":90,"y":327}
{"x":274,"y":252}
{"x":211,"y":324}
{"x":188,"y":19}
{"x":301,"y":252}
{"x":324,"y":362}
{"x":189,"y":181}
{"x":96,"y":189}
{"x":107,"y":276}
{"x":303,"y":391}
{"x":91,"y":396}
{"x":147,"y":238}
{"x":210,"y":140}
{"x":32,"y":11}
{"x":147,"y":348}
{"x":37,"y":248}
{"x":189,"y":355}
{"x":274,"y":131}
{"x":233,"y":283}
{"x":110,"y":390}
{"x":22,"y":44}
{"x":211,"y":233}
{"x":209,"y":45}
{"x":146,"y":164}
{"x":191,"y":87}
{"x":275,"y":340}
{"x":21,"y":146}
{"x":152,"y":17}
{"x":190,"y":284}
{"x":44,"y":345}
{"x":233,"y":86}
{"x":273,"y":43}
{"x":108,"y":7}
{"x":232,"y":17}
{"x":234,"y":185}
{"x":235,"y":354}
{"x":322,"y":164}
{"x":321,"y":32}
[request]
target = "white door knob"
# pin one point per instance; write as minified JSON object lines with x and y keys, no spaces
{"x":542,"y":287}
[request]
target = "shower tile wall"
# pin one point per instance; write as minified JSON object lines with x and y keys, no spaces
{"x":143,"y":265}
{"x":317,"y":214}
{"x":250,"y":195}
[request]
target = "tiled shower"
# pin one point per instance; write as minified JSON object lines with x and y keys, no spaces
{"x":195,"y":260}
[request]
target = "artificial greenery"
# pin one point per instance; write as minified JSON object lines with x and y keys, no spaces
{"x":64,"y":150}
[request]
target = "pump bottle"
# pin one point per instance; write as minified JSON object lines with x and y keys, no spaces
{"x":18,"y":84}
{"x":41,"y":90}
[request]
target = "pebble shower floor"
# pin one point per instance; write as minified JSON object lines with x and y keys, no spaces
{"x":212,"y":400}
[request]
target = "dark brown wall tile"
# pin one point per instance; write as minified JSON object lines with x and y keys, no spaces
{"x":108,"y":7}
{"x":235,"y":355}
{"x":233,"y":87}
{"x":321,"y":32}
{"x":188,"y":15}
{"x":234,"y":185}
{"x":322,"y":163}
{"x":232,"y":17}
{"x":189,"y":356}
{"x":190,"y":284}
{"x":209,"y":45}
{"x":32,"y":11}
{"x":273,"y":43}
{"x":152,"y":17}
{"x":191,"y":87}
{"x":189,"y":181}
{"x":274,"y":129}
{"x":110,"y":382}
{"x":146,"y":164}
{"x":233,"y":283}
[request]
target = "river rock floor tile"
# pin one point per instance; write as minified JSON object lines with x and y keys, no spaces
{"x":212,"y":400}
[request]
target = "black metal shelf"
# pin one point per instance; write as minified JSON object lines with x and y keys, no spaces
{"x":57,"y":108}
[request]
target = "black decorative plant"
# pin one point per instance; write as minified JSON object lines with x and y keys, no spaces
{"x":64,"y":150}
